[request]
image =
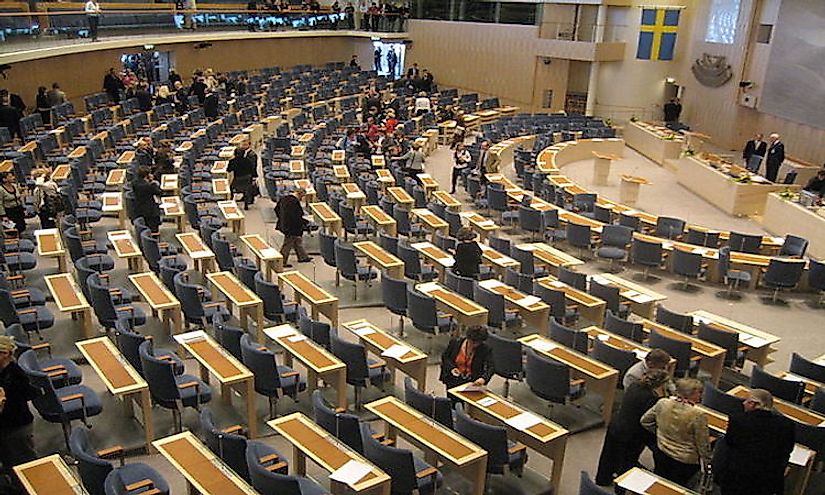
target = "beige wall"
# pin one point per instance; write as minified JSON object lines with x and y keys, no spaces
{"x":81,"y":74}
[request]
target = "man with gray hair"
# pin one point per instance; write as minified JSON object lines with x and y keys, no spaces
{"x":759,"y":442}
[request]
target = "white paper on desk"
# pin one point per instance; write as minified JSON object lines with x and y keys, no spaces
{"x":280,"y":331}
{"x":793,"y":378}
{"x":472,"y":387}
{"x":120,"y":235}
{"x":486,"y":223}
{"x":542,"y":345}
{"x":396,"y":351}
{"x":420,"y":245}
{"x":428,"y":287}
{"x":363,"y":330}
{"x":754,"y":341}
{"x":201,"y":254}
{"x":638,"y":481}
{"x":350,"y":473}
{"x":523,"y":421}
{"x":630,"y":293}
{"x":558,"y":284}
{"x":643,"y":298}
{"x":704,"y":319}
{"x":297,"y":338}
{"x":599,"y":279}
{"x":603,"y":337}
{"x":196,"y":336}
{"x":800,"y":455}
{"x":487,"y":401}
{"x":530,"y":300}
{"x":448,"y":262}
{"x":269,"y":252}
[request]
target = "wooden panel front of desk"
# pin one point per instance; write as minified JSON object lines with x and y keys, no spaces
{"x":783,"y":217}
{"x":650,"y":145}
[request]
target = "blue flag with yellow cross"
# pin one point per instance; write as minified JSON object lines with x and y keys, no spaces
{"x":657,"y":35}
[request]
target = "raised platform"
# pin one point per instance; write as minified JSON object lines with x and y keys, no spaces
{"x":786,"y":217}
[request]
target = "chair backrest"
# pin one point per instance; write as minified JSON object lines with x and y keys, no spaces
{"x":491,"y":438}
{"x":394,"y":293}
{"x":500,"y":244}
{"x":529,"y":219}
{"x":160,"y":376}
{"x":620,"y":359}
{"x":461,"y":285}
{"x":411,"y":259}
{"x":355,"y":355}
{"x":687,"y":263}
{"x":620,"y":326}
{"x":261,"y":362}
{"x":388,"y":243}
{"x":818,"y":402}
{"x":573,"y":278}
{"x":327,"y":245}
{"x":343,"y":426}
{"x":421,"y":310}
{"x":507,"y":356}
{"x":578,"y":235}
{"x":228,"y":336}
{"x":568,"y":337}
{"x":494,"y":303}
{"x":745,"y":243}
{"x":129,"y":344}
{"x":677,"y":321}
{"x":557,"y":300}
{"x":223,"y":251}
{"x":811,"y":436}
{"x":680,"y":350}
{"x":809,"y":369}
{"x":788,"y":390}
{"x":725,"y":339}
{"x":547,"y":378}
{"x":525,"y":257}
{"x":438,"y":408}
{"x":646,"y":253}
{"x":92,"y":469}
{"x":794,"y":246}
{"x":588,"y":487}
{"x":631,"y":221}
{"x":230,"y":447}
{"x":702,"y":237}
{"x":264,"y":480}
{"x":189,"y":297}
{"x":717,"y":400}
{"x":616,"y":236}
{"x":345,"y":259}
{"x":396,"y":462}
{"x":669,"y":227}
{"x":610,"y":295}
{"x":784,"y":272}
{"x":816,"y":274}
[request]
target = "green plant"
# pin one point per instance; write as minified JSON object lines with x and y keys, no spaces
{"x":788,"y":194}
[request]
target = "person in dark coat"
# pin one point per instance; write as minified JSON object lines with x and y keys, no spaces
{"x":144,"y":97}
{"x":291,"y":223}
{"x":146,"y":190}
{"x":44,"y":108}
{"x":626,"y":439}
{"x":244,"y":167}
{"x":174,"y":77}
{"x":467,"y":359}
{"x":210,"y":105}
{"x":16,"y":420}
{"x":467,"y":254}
{"x":145,"y":153}
{"x":754,"y":152}
{"x":673,"y":109}
{"x":776,"y":155}
{"x":10,"y":116}
{"x":759,"y":443}
{"x":112,"y":85}
{"x":198,"y":88}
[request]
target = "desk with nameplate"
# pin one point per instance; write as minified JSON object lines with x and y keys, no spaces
{"x":380,"y":219}
{"x":233,"y":215}
{"x":319,"y":300}
{"x":483,"y":226}
{"x":116,"y":178}
{"x":49,"y":245}
{"x":466,"y":312}
{"x":264,"y":254}
{"x":431,"y":221}
{"x":354,"y":196}
{"x":533,"y":310}
{"x":221,"y":188}
{"x":49,"y":476}
{"x":381,"y":259}
{"x":126,"y":249}
{"x":642,"y":300}
{"x":590,"y":307}
{"x":112,"y":202}
{"x":440,"y":259}
{"x":249,"y":305}
{"x":200,"y":253}
{"x":172,"y":207}
{"x":329,"y":220}
{"x":69,"y":299}
{"x":711,"y":356}
{"x":401,"y":197}
{"x":759,"y":345}
{"x":396,"y":353}
{"x":161,"y":300}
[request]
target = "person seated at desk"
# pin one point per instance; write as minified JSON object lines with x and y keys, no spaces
{"x":467,"y":359}
{"x":467,"y":254}
{"x":817,"y":183}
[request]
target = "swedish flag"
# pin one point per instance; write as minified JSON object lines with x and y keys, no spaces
{"x":657,"y":36}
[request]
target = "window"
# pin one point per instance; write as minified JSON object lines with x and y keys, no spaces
{"x":478,"y":11}
{"x":435,"y":9}
{"x":764,"y":33}
{"x":517,"y":13}
{"x":722,"y":21}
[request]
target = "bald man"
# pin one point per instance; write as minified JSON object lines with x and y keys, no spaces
{"x":776,"y":155}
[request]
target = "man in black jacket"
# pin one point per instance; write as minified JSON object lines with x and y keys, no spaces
{"x":759,"y":443}
{"x":144,"y":97}
{"x":291,"y":223}
{"x":146,"y":190}
{"x":754,"y":152}
{"x":210,"y":105}
{"x":16,"y":433}
{"x":776,"y":156}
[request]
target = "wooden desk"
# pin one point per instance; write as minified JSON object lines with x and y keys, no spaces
{"x":217,"y":361}
{"x":264,"y":254}
{"x":654,"y":141}
{"x":125,"y":158}
{"x":440,"y":259}
{"x":401,"y":197}
{"x":437,"y":441}
{"x":629,"y":189}
{"x":498,"y":261}
{"x":428,"y":183}
{"x":204,"y":471}
{"x":112,"y":202}
{"x":226,"y":153}
{"x":465,"y":312}
{"x":642,"y":300}
{"x":49,"y":476}
{"x":77,"y":153}
{"x":311,"y":441}
{"x":601,"y":167}
{"x":200,"y":253}
{"x":221,"y":167}
{"x":533,"y":310}
{"x":121,"y":379}
{"x":172,"y":207}
{"x":599,"y":377}
{"x":338,"y":156}
{"x":760,"y":344}
{"x":49,"y":245}
{"x":713,"y":356}
{"x":545,"y":437}
{"x":381,"y":259}
{"x":447,"y":200}
{"x":379,"y":218}
{"x":793,"y":411}
{"x":378,"y":161}
{"x":69,"y":299}
{"x":384,"y":178}
{"x":320,"y":301}
{"x":328,"y":219}
{"x":354,"y":196}
{"x":549,"y":256}
{"x":237,"y":294}
{"x":483,"y":226}
{"x":413,"y":362}
{"x":169,"y":183}
{"x":643,"y":482}
{"x":297,"y":169}
{"x":116,"y":177}
{"x":126,"y":248}
{"x":783,"y":217}
{"x":431,"y":221}
{"x":221,"y":188}
{"x":233,"y":215}
{"x":164,"y":304}
{"x":341,"y":173}
{"x":319,"y":363}
{"x":590,"y":307}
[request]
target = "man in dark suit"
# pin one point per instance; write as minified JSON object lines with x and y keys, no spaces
{"x":672,"y":110}
{"x":146,"y":192}
{"x":759,"y":443}
{"x":754,"y":152}
{"x":291,"y":223}
{"x":776,"y":155}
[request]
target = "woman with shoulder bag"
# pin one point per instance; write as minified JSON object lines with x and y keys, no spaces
{"x":11,"y":203}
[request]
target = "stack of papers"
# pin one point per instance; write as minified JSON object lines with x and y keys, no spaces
{"x":472,"y":387}
{"x":396,"y":351}
{"x":297,"y":338}
{"x":486,"y":223}
{"x":190,"y":337}
{"x":280,"y":331}
{"x":558,"y":284}
{"x":643,"y":298}
{"x":448,"y":262}
{"x":638,"y":481}
{"x":351,"y":473}
{"x":487,"y":401}
{"x":269,"y":253}
{"x":523,"y":421}
{"x":600,"y":280}
{"x":603,"y":337}
{"x":530,"y":300}
{"x":752,"y":340}
{"x":542,"y":345}
{"x":800,"y":455}
{"x":428,"y":287}
{"x":363,"y":331}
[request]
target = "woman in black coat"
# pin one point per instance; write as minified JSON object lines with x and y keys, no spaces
{"x":244,"y":167}
{"x":467,"y":359}
{"x":467,"y":254}
{"x":146,"y":190}
{"x":626,"y":438}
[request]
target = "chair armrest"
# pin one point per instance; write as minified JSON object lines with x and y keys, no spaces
{"x":577,"y":381}
{"x":26,"y":311}
{"x":276,"y":466}
{"x":695,"y":358}
{"x":163,"y":244}
{"x":289,"y":374}
{"x":140,"y":485}
{"x":186,"y":385}
{"x":430,"y":471}
{"x":340,"y":410}
{"x":56,"y":373}
{"x":130,"y":309}
{"x":377,"y":364}
{"x":44,"y":345}
{"x":88,"y":243}
{"x":14,"y":277}
{"x":233,"y":429}
{"x":165,"y":357}
{"x":72,"y":397}
{"x":268,"y":458}
{"x":516,"y":448}
{"x":111,"y":451}
{"x":53,"y":368}
{"x":21,"y":292}
{"x":212,"y":304}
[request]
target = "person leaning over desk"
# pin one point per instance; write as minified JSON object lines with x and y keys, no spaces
{"x":467,"y":359}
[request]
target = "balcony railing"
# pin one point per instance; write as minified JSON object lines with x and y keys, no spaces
{"x":584,"y":32}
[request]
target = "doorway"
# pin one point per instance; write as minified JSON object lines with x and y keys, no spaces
{"x":383,"y":60}
{"x":149,"y":64}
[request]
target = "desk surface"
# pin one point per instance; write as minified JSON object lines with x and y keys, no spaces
{"x":459,"y":303}
{"x":194,"y":246}
{"x":376,"y":252}
{"x":48,"y":242}
{"x":324,"y":212}
{"x":631,"y":291}
{"x":125,"y":246}
{"x":430,"y":219}
{"x":643,"y":482}
{"x":67,"y":295}
{"x":793,"y":411}
{"x":306,"y":287}
{"x":304,"y":349}
{"x":110,"y":365}
{"x":446,"y":199}
{"x":400,"y":196}
{"x":260,"y":247}
{"x":230,"y":210}
{"x":550,"y":255}
{"x":449,"y":445}
{"x":584,"y":364}
{"x":749,"y":336}
{"x":698,"y":345}
{"x":572,"y":293}
{"x":323,"y":448}
{"x":378,"y":215}
{"x":202,"y":468}
{"x":238,"y":293}
{"x":153,"y":291}
{"x":49,"y":476}
{"x":366,"y":331}
{"x":524,"y":301}
{"x":215,"y":358}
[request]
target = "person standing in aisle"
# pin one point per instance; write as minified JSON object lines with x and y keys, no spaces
{"x":291,"y":223}
{"x":92,"y":10}
{"x":775,"y":158}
